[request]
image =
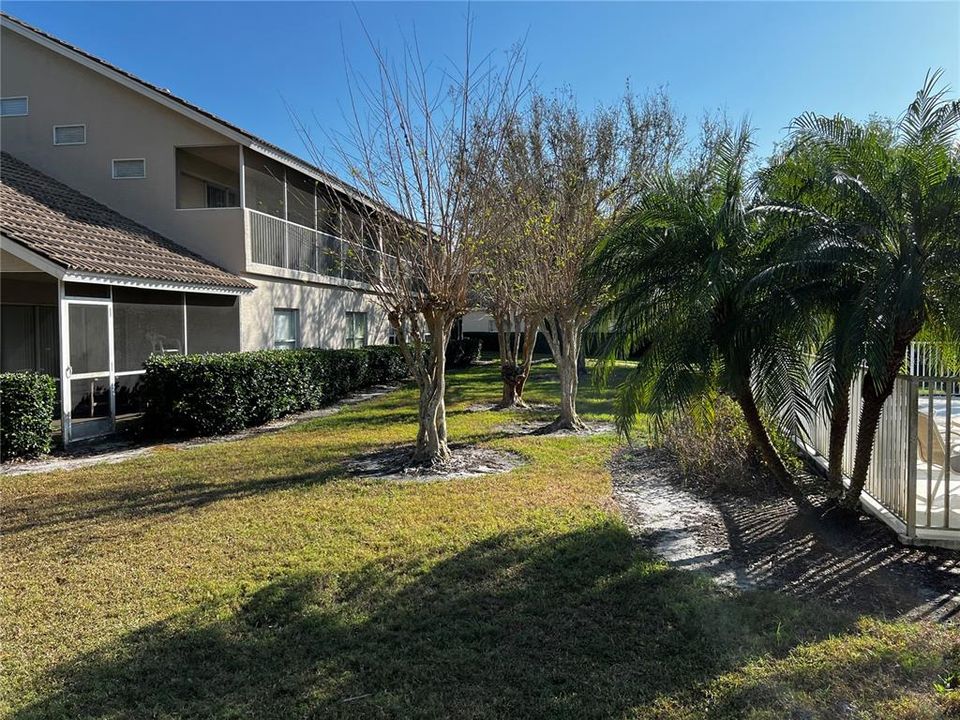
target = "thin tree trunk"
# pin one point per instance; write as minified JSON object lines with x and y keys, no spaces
{"x":760,"y":437}
{"x":512,"y":376}
{"x":839,"y":422}
{"x":530,"y":331}
{"x":431,"y":448}
{"x":563,"y":336}
{"x":510,"y":371}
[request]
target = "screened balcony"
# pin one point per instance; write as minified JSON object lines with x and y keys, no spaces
{"x":208,"y":177}
{"x":296,"y":224}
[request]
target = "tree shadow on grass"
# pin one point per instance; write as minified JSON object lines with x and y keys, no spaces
{"x":517,"y":625}
{"x":141,"y":500}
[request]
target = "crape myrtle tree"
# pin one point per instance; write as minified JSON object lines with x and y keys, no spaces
{"x":568,"y":175}
{"x":684,"y":270}
{"x":501,"y":290}
{"x":422,"y":142}
{"x":889,"y":233}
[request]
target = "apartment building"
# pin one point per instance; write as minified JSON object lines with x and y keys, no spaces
{"x":134,"y":222}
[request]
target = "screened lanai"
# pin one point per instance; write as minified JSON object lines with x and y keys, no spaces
{"x":87,"y":295}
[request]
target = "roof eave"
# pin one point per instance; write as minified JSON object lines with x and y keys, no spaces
{"x":50,"y":267}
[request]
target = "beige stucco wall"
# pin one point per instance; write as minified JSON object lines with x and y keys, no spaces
{"x":120,"y":124}
{"x":322,"y":313}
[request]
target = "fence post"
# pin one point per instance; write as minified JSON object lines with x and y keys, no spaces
{"x":914,"y":400}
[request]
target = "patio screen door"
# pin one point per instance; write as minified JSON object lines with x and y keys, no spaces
{"x":88,"y":397}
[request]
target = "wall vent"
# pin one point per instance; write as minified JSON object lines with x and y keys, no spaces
{"x":14,"y":106}
{"x":129,"y":168}
{"x":69,"y":134}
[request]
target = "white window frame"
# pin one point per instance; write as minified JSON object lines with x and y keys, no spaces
{"x":113,"y":168}
{"x":81,"y":125}
{"x":17,"y":97}
{"x":296,"y":328}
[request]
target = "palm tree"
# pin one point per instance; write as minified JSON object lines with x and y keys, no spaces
{"x":889,"y":234}
{"x":681,"y":272}
{"x":797,"y":199}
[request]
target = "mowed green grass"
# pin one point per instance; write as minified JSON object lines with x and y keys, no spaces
{"x":256,"y":579}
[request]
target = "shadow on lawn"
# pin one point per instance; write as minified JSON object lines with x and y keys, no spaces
{"x":516,"y":625}
{"x":140,"y":500}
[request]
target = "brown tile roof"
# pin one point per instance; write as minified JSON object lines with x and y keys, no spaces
{"x":80,"y":234}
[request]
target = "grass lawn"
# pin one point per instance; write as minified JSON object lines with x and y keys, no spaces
{"x":253,"y":579}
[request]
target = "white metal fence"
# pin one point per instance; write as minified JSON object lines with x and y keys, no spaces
{"x":925,"y":358}
{"x":913,"y":482}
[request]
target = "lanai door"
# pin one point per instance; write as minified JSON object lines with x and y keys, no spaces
{"x":88,"y":398}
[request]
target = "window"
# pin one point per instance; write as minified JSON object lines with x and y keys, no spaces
{"x":286,"y":328}
{"x":69,"y":134}
{"x":129,"y":168}
{"x":356,"y":329}
{"x":14,"y":106}
{"x":221,"y":197}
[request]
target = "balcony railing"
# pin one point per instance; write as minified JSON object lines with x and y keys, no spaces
{"x":283,"y":244}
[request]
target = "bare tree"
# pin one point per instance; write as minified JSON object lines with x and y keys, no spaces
{"x":569,"y":176}
{"x":501,"y":289}
{"x":422,"y":143}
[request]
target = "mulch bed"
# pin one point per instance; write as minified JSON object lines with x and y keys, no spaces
{"x":770,"y":540}
{"x":541,"y":427}
{"x":466,"y":461}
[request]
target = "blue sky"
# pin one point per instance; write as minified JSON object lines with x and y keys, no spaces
{"x":768,"y":60}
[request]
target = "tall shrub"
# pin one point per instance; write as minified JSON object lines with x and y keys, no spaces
{"x":26,"y":408}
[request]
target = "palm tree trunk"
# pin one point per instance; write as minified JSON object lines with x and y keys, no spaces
{"x":760,"y":437}
{"x":873,"y":400}
{"x":839,"y":422}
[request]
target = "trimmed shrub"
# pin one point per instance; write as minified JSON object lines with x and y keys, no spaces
{"x":464,"y":352}
{"x":216,"y":394}
{"x":346,"y":372}
{"x":26,"y":407}
{"x":385,"y":364}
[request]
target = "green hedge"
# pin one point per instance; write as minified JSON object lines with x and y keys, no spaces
{"x":196,"y":395}
{"x":26,"y":407}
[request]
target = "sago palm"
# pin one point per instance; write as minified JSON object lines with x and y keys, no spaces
{"x":681,"y":275}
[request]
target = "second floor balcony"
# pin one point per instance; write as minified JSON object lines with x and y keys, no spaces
{"x":293,"y":222}
{"x":283,"y":244}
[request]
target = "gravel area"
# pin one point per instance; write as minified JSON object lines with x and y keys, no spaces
{"x":770,"y":540}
